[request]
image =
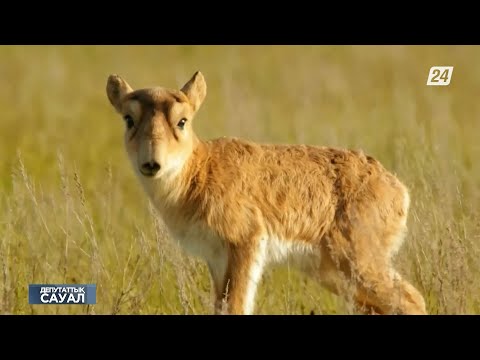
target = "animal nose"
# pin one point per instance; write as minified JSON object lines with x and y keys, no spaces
{"x":150,"y":168}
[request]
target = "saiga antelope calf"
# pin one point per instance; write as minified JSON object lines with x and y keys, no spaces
{"x":337,"y":214}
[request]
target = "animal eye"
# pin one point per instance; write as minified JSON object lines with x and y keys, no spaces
{"x":181,"y":123}
{"x":129,"y":121}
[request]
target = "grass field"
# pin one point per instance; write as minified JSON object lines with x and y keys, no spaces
{"x":71,"y":210}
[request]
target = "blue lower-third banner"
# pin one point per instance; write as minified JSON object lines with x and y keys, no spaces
{"x":81,"y":294}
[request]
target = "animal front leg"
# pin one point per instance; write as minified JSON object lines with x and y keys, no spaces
{"x":217,"y":267}
{"x":244,"y":272}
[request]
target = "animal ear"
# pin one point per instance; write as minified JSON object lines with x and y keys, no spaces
{"x":196,"y":90}
{"x":117,"y":88}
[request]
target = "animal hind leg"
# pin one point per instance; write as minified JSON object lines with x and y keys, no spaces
{"x":334,"y":278}
{"x":385,"y":290}
{"x":379,"y":284}
{"x":362,"y":271}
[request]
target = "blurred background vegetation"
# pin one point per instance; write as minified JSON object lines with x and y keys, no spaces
{"x":73,"y":212}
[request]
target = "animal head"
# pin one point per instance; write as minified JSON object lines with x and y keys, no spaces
{"x":159,"y":137}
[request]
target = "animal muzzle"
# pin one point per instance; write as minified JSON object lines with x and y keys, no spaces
{"x":150,"y":168}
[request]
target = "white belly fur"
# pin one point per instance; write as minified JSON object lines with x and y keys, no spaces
{"x":295,"y":253}
{"x":195,"y":241}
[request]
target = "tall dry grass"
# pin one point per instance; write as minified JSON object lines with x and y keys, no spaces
{"x":72,"y":211}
